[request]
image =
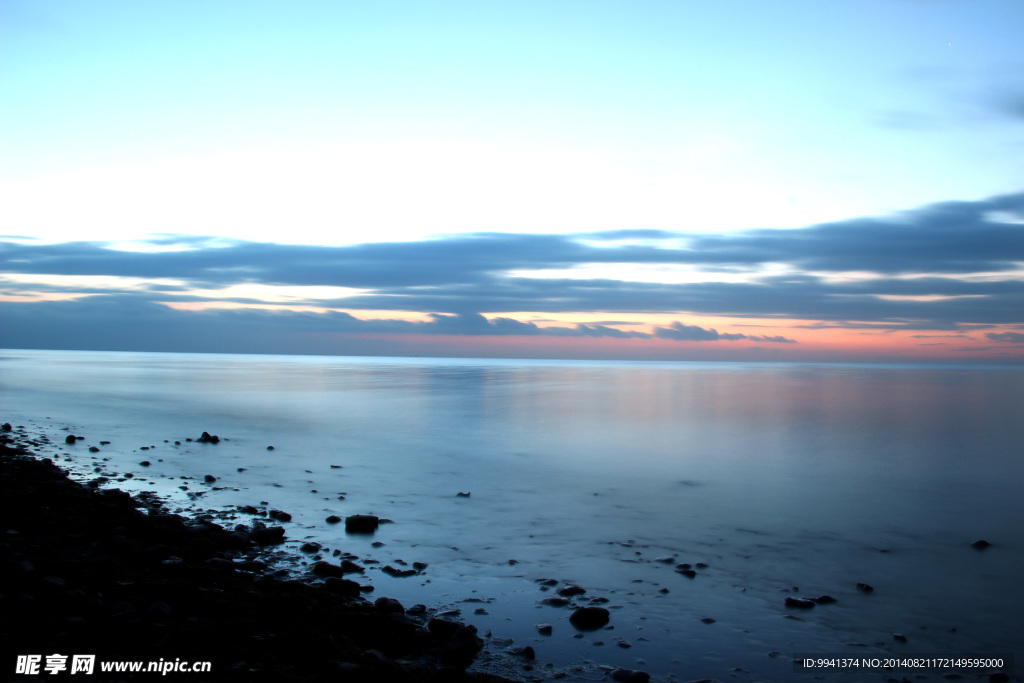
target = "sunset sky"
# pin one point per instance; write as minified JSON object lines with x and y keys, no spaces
{"x":790,"y":181}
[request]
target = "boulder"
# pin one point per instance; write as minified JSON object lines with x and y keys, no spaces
{"x":361,"y":524}
{"x":590,"y":618}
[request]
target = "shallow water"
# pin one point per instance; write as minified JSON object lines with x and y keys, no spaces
{"x":776,"y":476}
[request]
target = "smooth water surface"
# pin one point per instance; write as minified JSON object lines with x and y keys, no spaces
{"x":787,"y":480}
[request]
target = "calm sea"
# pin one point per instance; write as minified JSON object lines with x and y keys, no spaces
{"x":786,"y":480}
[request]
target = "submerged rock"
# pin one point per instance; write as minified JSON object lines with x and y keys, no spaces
{"x":980,"y":544}
{"x":555,"y":602}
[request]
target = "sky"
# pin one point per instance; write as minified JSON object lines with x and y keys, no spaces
{"x":672,"y":180}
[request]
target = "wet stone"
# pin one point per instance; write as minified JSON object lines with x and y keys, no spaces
{"x":799,"y":603}
{"x":590,"y":618}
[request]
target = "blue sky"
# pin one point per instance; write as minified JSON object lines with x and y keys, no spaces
{"x":191,"y":126}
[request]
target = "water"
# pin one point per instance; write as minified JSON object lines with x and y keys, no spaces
{"x":787,"y":480}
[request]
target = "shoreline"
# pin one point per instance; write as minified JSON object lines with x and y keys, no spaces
{"x":91,"y":571}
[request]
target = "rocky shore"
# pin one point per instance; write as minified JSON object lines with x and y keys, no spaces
{"x":89,"y":571}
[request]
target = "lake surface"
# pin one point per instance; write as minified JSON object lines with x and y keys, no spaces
{"x":786,"y":480}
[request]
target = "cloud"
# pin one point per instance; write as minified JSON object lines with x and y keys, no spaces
{"x":680,"y":332}
{"x":941,"y":267}
{"x":131,"y":322}
{"x":1009,"y":337}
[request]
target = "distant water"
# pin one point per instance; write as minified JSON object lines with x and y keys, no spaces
{"x":787,"y":480}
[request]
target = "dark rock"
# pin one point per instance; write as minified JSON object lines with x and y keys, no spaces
{"x":683,"y":566}
{"x":589,"y":618}
{"x":688,"y":573}
{"x":707,"y":620}
{"x":158,"y":610}
{"x":324,"y":568}
{"x":460,"y":494}
{"x":555,"y":602}
{"x":333,"y":519}
{"x":824,"y":600}
{"x":270,"y":448}
{"x":310,"y":547}
{"x":7,"y":427}
{"x":980,"y":544}
{"x":361,"y":524}
{"x":279,"y":515}
{"x":630,"y":676}
{"x":398,"y":573}
{"x":899,"y":637}
{"x":544,"y":629}
{"x":462,"y":647}
{"x":570,"y":591}
{"x":665,"y":560}
{"x":443,"y":629}
{"x":208,"y":438}
{"x":526,"y":653}
{"x":94,"y":449}
{"x":51,"y":582}
{"x":249,"y":510}
{"x":71,"y":439}
{"x":271,"y":535}
{"x":419,"y":566}
{"x":389,"y":605}
{"x":343,"y":586}
{"x":350,"y":567}
{"x":251,"y":566}
{"x":145,"y":463}
{"x":209,"y":478}
{"x":799,"y":603}
{"x":865,"y":588}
